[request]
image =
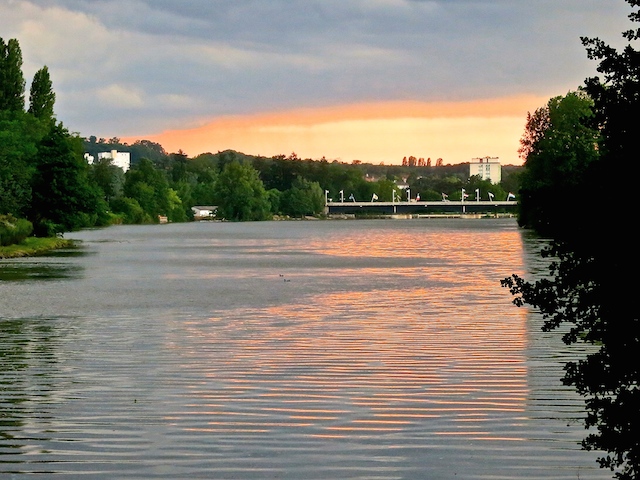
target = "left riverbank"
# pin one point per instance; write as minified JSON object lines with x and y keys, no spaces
{"x":35,"y":246}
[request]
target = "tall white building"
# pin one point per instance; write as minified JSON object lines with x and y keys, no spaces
{"x":487,"y":168}
{"x":119,"y":159}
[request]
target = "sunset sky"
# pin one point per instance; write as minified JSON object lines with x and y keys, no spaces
{"x":369,"y":80}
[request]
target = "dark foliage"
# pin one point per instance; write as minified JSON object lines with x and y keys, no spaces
{"x":63,"y":198}
{"x":591,"y":287}
{"x":14,"y":230}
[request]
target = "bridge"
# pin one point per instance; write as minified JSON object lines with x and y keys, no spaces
{"x":417,"y":207}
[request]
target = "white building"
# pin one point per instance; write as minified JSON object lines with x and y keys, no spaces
{"x":487,"y":168}
{"x":204,"y":212}
{"x":119,"y":159}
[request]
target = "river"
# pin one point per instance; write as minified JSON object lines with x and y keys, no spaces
{"x":373,"y":349}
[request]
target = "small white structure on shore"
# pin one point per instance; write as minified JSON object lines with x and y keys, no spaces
{"x":204,"y":212}
{"x":487,"y":168}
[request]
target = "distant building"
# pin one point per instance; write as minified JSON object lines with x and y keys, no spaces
{"x":487,"y":168}
{"x":119,"y":159}
{"x":204,"y":212}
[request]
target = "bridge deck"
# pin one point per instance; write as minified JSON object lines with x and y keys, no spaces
{"x":485,"y":203}
{"x":420,"y":207}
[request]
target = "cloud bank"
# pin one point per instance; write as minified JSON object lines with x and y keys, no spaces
{"x":135,"y":68}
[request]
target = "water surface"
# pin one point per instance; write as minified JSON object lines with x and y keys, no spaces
{"x":288,"y":350}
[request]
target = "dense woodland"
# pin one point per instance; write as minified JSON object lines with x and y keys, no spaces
{"x":292,"y":186}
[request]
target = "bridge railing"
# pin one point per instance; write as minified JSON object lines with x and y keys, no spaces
{"x":420,"y":207}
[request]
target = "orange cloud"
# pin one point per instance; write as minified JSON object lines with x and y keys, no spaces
{"x":373,"y":132}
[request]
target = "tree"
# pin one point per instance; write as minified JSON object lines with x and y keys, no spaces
{"x":41,"y":96}
{"x":484,"y":187}
{"x":107,"y":176}
{"x":11,"y":79}
{"x":274,"y":196}
{"x":202,"y":172}
{"x":240,"y":193}
{"x":178,"y":167}
{"x":176,"y":211}
{"x":588,"y":288}
{"x":43,"y":175}
{"x":19,"y":137}
{"x":63,"y":197}
{"x":20,"y":134}
{"x":558,"y":146}
{"x":14,"y":230}
{"x":303,"y":198}
{"x":130,"y":210}
{"x":387,"y":190}
{"x":149,"y":187}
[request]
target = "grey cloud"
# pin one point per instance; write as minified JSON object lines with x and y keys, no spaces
{"x":186,"y":59}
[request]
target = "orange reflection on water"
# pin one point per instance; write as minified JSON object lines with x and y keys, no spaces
{"x":407,"y":329}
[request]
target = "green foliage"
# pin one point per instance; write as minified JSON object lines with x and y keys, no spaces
{"x":201,"y":173}
{"x":175,"y":211}
{"x":108,"y":177}
{"x":386,"y":190}
{"x":130,"y":211}
{"x":592,"y":246}
{"x":42,"y":97}
{"x":63,"y":199}
{"x":240,"y":194}
{"x":20,"y":135}
{"x":485,"y":187}
{"x":194,"y":181}
{"x":31,"y":246}
{"x":274,"y":196}
{"x":203,"y":193}
{"x":559,"y":144}
{"x":149,"y":187}
{"x":42,"y":173}
{"x":303,"y":198}
{"x":178,"y":167}
{"x":511,"y":179}
{"x":11,"y":79}
{"x":14,"y":230}
{"x":431,"y":187}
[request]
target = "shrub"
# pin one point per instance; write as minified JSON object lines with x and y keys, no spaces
{"x":14,"y":230}
{"x":130,"y":210}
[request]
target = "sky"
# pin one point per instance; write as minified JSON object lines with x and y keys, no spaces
{"x":368,"y":80}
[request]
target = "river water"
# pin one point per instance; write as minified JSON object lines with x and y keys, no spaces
{"x":381,"y":349}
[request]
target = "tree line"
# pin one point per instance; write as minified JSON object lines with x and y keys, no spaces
{"x":575,"y":147}
{"x":45,"y":179}
{"x":247,"y":187}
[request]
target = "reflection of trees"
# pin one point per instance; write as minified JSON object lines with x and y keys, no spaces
{"x":40,"y":271}
{"x":49,"y":267}
{"x":13,"y":359}
{"x":24,"y":345}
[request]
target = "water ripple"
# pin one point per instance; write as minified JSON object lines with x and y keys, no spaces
{"x":250,"y":351}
